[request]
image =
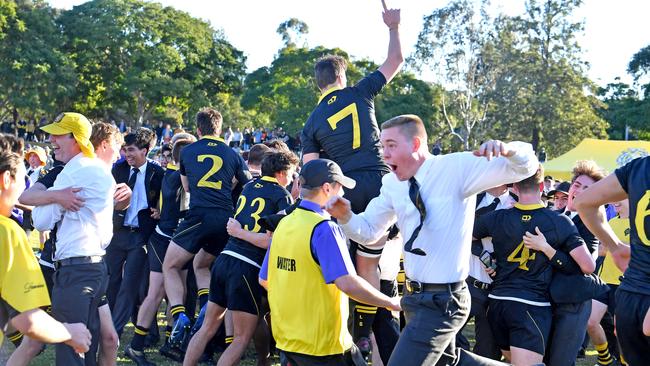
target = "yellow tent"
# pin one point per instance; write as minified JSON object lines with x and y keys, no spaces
{"x":609,"y":154}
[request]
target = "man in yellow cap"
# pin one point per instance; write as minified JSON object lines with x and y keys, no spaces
{"x":81,"y":276}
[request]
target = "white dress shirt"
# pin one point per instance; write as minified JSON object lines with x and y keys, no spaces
{"x":448,"y":185}
{"x":33,"y":175}
{"x":138,"y":197}
{"x":476,"y":267}
{"x":88,"y":231}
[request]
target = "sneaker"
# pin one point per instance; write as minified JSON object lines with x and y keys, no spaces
{"x":171,"y":352}
{"x":137,"y":356}
{"x":365,"y":347}
{"x":180,"y":330}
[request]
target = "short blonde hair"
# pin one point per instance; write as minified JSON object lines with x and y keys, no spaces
{"x":103,"y":131}
{"x":589,"y":168}
{"x":410,"y":125}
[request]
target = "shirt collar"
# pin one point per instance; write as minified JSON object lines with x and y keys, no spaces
{"x":328,"y":91}
{"x":141,"y":168}
{"x":269,"y":179}
{"x":216,"y":138}
{"x":312,"y":206}
{"x":529,"y":207}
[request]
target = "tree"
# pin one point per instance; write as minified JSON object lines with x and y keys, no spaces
{"x":450,"y":45}
{"x":141,"y":57}
{"x":542,"y":93}
{"x":292,"y":31}
{"x":36,"y":76}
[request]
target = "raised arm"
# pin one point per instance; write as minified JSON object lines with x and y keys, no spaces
{"x":394,"y":59}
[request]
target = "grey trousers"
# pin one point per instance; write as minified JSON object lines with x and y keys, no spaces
{"x":429,"y":338}
{"x":77,"y":292}
{"x":567,"y":333}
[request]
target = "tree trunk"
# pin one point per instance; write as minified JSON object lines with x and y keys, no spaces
{"x":534,"y":140}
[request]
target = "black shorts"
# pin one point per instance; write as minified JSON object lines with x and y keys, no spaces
{"x":203,"y":228}
{"x":156,"y":250}
{"x":520,"y":325}
{"x":631,"y":310}
{"x":351,"y":357}
{"x":608,"y":298}
{"x":234,"y":285}
{"x":367,"y":187}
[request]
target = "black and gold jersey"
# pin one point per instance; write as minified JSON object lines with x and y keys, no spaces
{"x":634,"y":177}
{"x":344,"y":128}
{"x":522,"y":273}
{"x":260,"y":197}
{"x":210,"y":166}
{"x":171,"y":194}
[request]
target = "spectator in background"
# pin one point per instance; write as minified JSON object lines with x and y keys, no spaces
{"x":166,"y":134}
{"x":37,"y":159}
{"x":257,"y":136}
{"x":159,"y":130}
{"x":248,"y":139}
{"x":560,"y":196}
{"x":237,"y":138}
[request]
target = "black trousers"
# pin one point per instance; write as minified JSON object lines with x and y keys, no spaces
{"x":351,"y":357}
{"x":126,"y":258}
{"x":386,"y":326}
{"x":432,"y":320}
{"x":485,"y":345}
{"x":76,"y":294}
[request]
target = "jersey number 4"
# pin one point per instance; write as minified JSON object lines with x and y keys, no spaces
{"x":350,"y":110}
{"x":217,"y":163}
{"x":521,"y":255}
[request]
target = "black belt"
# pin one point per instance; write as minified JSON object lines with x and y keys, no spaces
{"x":479,"y":284}
{"x":131,"y":229}
{"x":78,"y":260}
{"x":416,"y":287}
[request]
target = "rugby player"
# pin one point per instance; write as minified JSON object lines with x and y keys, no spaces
{"x":208,"y":169}
{"x":234,"y":284}
{"x":344,"y":128}
{"x":633,"y":295}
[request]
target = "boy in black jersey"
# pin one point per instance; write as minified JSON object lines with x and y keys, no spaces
{"x":344,"y":128}
{"x":208,"y":169}
{"x":633,"y":295}
{"x":519,"y":307}
{"x":172,"y":210}
{"x":234,"y":284}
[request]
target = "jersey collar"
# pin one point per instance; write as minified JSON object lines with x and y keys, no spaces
{"x":529,"y":207}
{"x":171,"y":166}
{"x":216,"y":138}
{"x":269,"y":179}
{"x":328,"y":91}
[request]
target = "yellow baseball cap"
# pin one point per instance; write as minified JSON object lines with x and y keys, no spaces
{"x":76,"y":124}
{"x":39,"y":151}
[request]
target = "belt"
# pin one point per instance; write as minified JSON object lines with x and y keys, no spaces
{"x":479,"y":284}
{"x":79,"y":260}
{"x":132,"y":229}
{"x":416,"y":287}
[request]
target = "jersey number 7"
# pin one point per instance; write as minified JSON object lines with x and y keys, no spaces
{"x":337,"y":117}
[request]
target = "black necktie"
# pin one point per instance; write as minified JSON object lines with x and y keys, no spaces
{"x":416,"y":198}
{"x":489,"y":208}
{"x":30,"y":171}
{"x":133,"y":178}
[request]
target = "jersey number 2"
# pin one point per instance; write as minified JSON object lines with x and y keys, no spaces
{"x":521,"y":255}
{"x":217,"y":163}
{"x":350,"y":110}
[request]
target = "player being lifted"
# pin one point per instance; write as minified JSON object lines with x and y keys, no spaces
{"x":343,"y":127}
{"x":234,"y":285}
{"x":209,"y":169}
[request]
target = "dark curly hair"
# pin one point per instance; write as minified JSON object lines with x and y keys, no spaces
{"x":278,"y":161}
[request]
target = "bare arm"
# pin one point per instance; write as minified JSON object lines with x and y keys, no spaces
{"x":185,"y":183}
{"x":394,"y":59}
{"x":38,"y":195}
{"x":588,"y":204}
{"x":360,"y":290}
{"x":38,"y":325}
{"x":580,"y":254}
{"x":260,"y":240}
{"x":306,"y":158}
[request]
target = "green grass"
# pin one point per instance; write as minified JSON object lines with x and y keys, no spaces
{"x":47,"y":357}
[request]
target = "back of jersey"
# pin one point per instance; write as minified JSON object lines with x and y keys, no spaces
{"x":634,"y":177}
{"x":210,"y":166}
{"x":344,"y":127}
{"x":523,"y":273}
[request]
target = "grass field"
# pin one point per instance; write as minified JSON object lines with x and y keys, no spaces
{"x":47,"y":357}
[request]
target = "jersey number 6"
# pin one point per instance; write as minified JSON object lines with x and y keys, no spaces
{"x":337,"y":117}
